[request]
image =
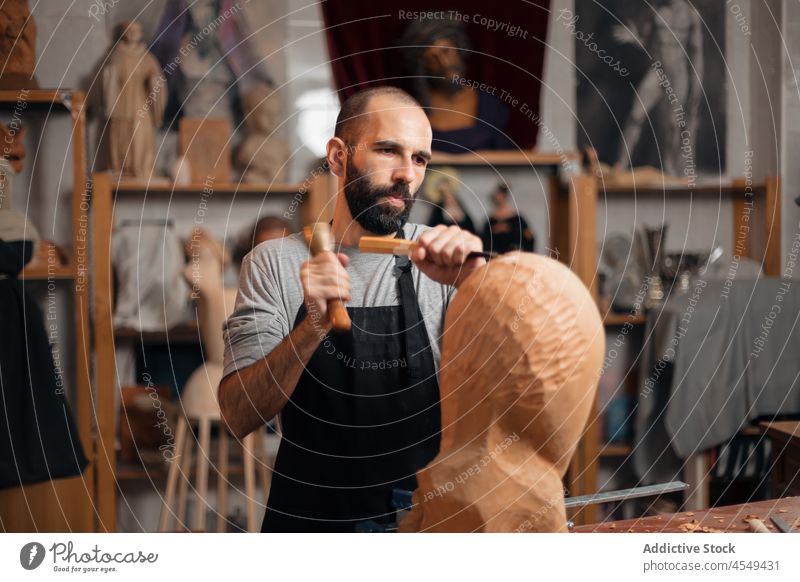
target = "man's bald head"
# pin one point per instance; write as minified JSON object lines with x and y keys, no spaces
{"x":354,"y":110}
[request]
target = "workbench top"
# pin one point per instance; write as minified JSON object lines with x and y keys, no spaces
{"x":729,"y":519}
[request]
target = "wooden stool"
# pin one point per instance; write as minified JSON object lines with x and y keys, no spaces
{"x":201,"y":409}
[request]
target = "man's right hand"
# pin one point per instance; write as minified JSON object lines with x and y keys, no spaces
{"x":324,"y":278}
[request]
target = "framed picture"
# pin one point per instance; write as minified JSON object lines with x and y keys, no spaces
{"x":651,"y":83}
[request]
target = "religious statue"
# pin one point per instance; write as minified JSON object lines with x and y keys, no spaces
{"x":134,"y":99}
{"x":206,"y":46}
{"x":441,"y":189}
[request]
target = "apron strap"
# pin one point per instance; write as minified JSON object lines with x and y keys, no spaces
{"x":415,"y":346}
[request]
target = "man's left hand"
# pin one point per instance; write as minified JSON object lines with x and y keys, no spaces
{"x":442,"y":254}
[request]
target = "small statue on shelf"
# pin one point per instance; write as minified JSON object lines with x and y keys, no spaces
{"x":506,"y":230}
{"x":134,"y":98}
{"x":441,"y":189}
{"x":262,"y":156}
{"x":17,"y":45}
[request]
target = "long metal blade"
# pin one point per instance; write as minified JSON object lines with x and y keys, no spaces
{"x":625,"y":494}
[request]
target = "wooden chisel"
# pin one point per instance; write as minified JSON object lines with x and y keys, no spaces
{"x":398,"y":246}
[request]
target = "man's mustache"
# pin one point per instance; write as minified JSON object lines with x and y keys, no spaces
{"x":399,"y":190}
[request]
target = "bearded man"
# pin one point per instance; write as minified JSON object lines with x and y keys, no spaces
{"x":359,"y":411}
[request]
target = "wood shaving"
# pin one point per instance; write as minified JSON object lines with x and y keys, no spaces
{"x":697,"y":528}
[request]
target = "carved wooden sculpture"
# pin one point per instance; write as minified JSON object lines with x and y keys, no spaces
{"x":521,"y":356}
{"x":134,"y":98}
{"x":17,"y":46}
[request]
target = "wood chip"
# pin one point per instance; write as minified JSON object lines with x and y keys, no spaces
{"x":697,"y":528}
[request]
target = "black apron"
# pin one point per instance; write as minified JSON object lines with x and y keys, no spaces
{"x":362,"y":420}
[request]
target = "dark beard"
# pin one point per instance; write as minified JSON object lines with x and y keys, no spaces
{"x":362,"y":199}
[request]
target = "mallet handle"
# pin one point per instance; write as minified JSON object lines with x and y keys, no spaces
{"x":318,"y":237}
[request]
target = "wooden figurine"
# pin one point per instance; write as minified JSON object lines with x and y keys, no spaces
{"x":522,"y":353}
{"x":17,"y":46}
{"x":134,"y":95}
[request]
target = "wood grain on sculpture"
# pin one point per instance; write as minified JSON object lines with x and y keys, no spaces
{"x":17,"y":46}
{"x":262,"y":156}
{"x":134,"y":97}
{"x":521,"y":356}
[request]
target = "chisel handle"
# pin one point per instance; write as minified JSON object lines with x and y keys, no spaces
{"x":399,"y":246}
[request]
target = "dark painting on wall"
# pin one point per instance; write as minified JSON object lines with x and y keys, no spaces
{"x":651,"y":82}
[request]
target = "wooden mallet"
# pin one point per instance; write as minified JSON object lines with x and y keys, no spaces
{"x":318,"y":237}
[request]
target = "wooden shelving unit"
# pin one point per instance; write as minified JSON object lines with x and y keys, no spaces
{"x":615,"y":449}
{"x":315,"y":194}
{"x":61,"y":272}
{"x":618,"y":319}
{"x":42,"y":507}
{"x":531,"y":158}
{"x":63,"y":100}
{"x":158,"y":188}
{"x":573,"y":237}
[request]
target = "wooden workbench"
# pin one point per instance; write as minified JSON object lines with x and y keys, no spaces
{"x":729,"y":519}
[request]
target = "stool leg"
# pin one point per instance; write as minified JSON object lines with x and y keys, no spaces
{"x":185,"y":464}
{"x":222,"y":480}
{"x":172,"y":477}
{"x":248,"y":444}
{"x":202,"y":473}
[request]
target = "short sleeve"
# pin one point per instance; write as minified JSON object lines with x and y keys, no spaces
{"x":258,"y":323}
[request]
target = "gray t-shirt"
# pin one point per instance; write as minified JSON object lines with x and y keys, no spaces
{"x":270,"y":294}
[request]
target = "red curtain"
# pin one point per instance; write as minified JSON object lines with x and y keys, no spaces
{"x":360,"y":41}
